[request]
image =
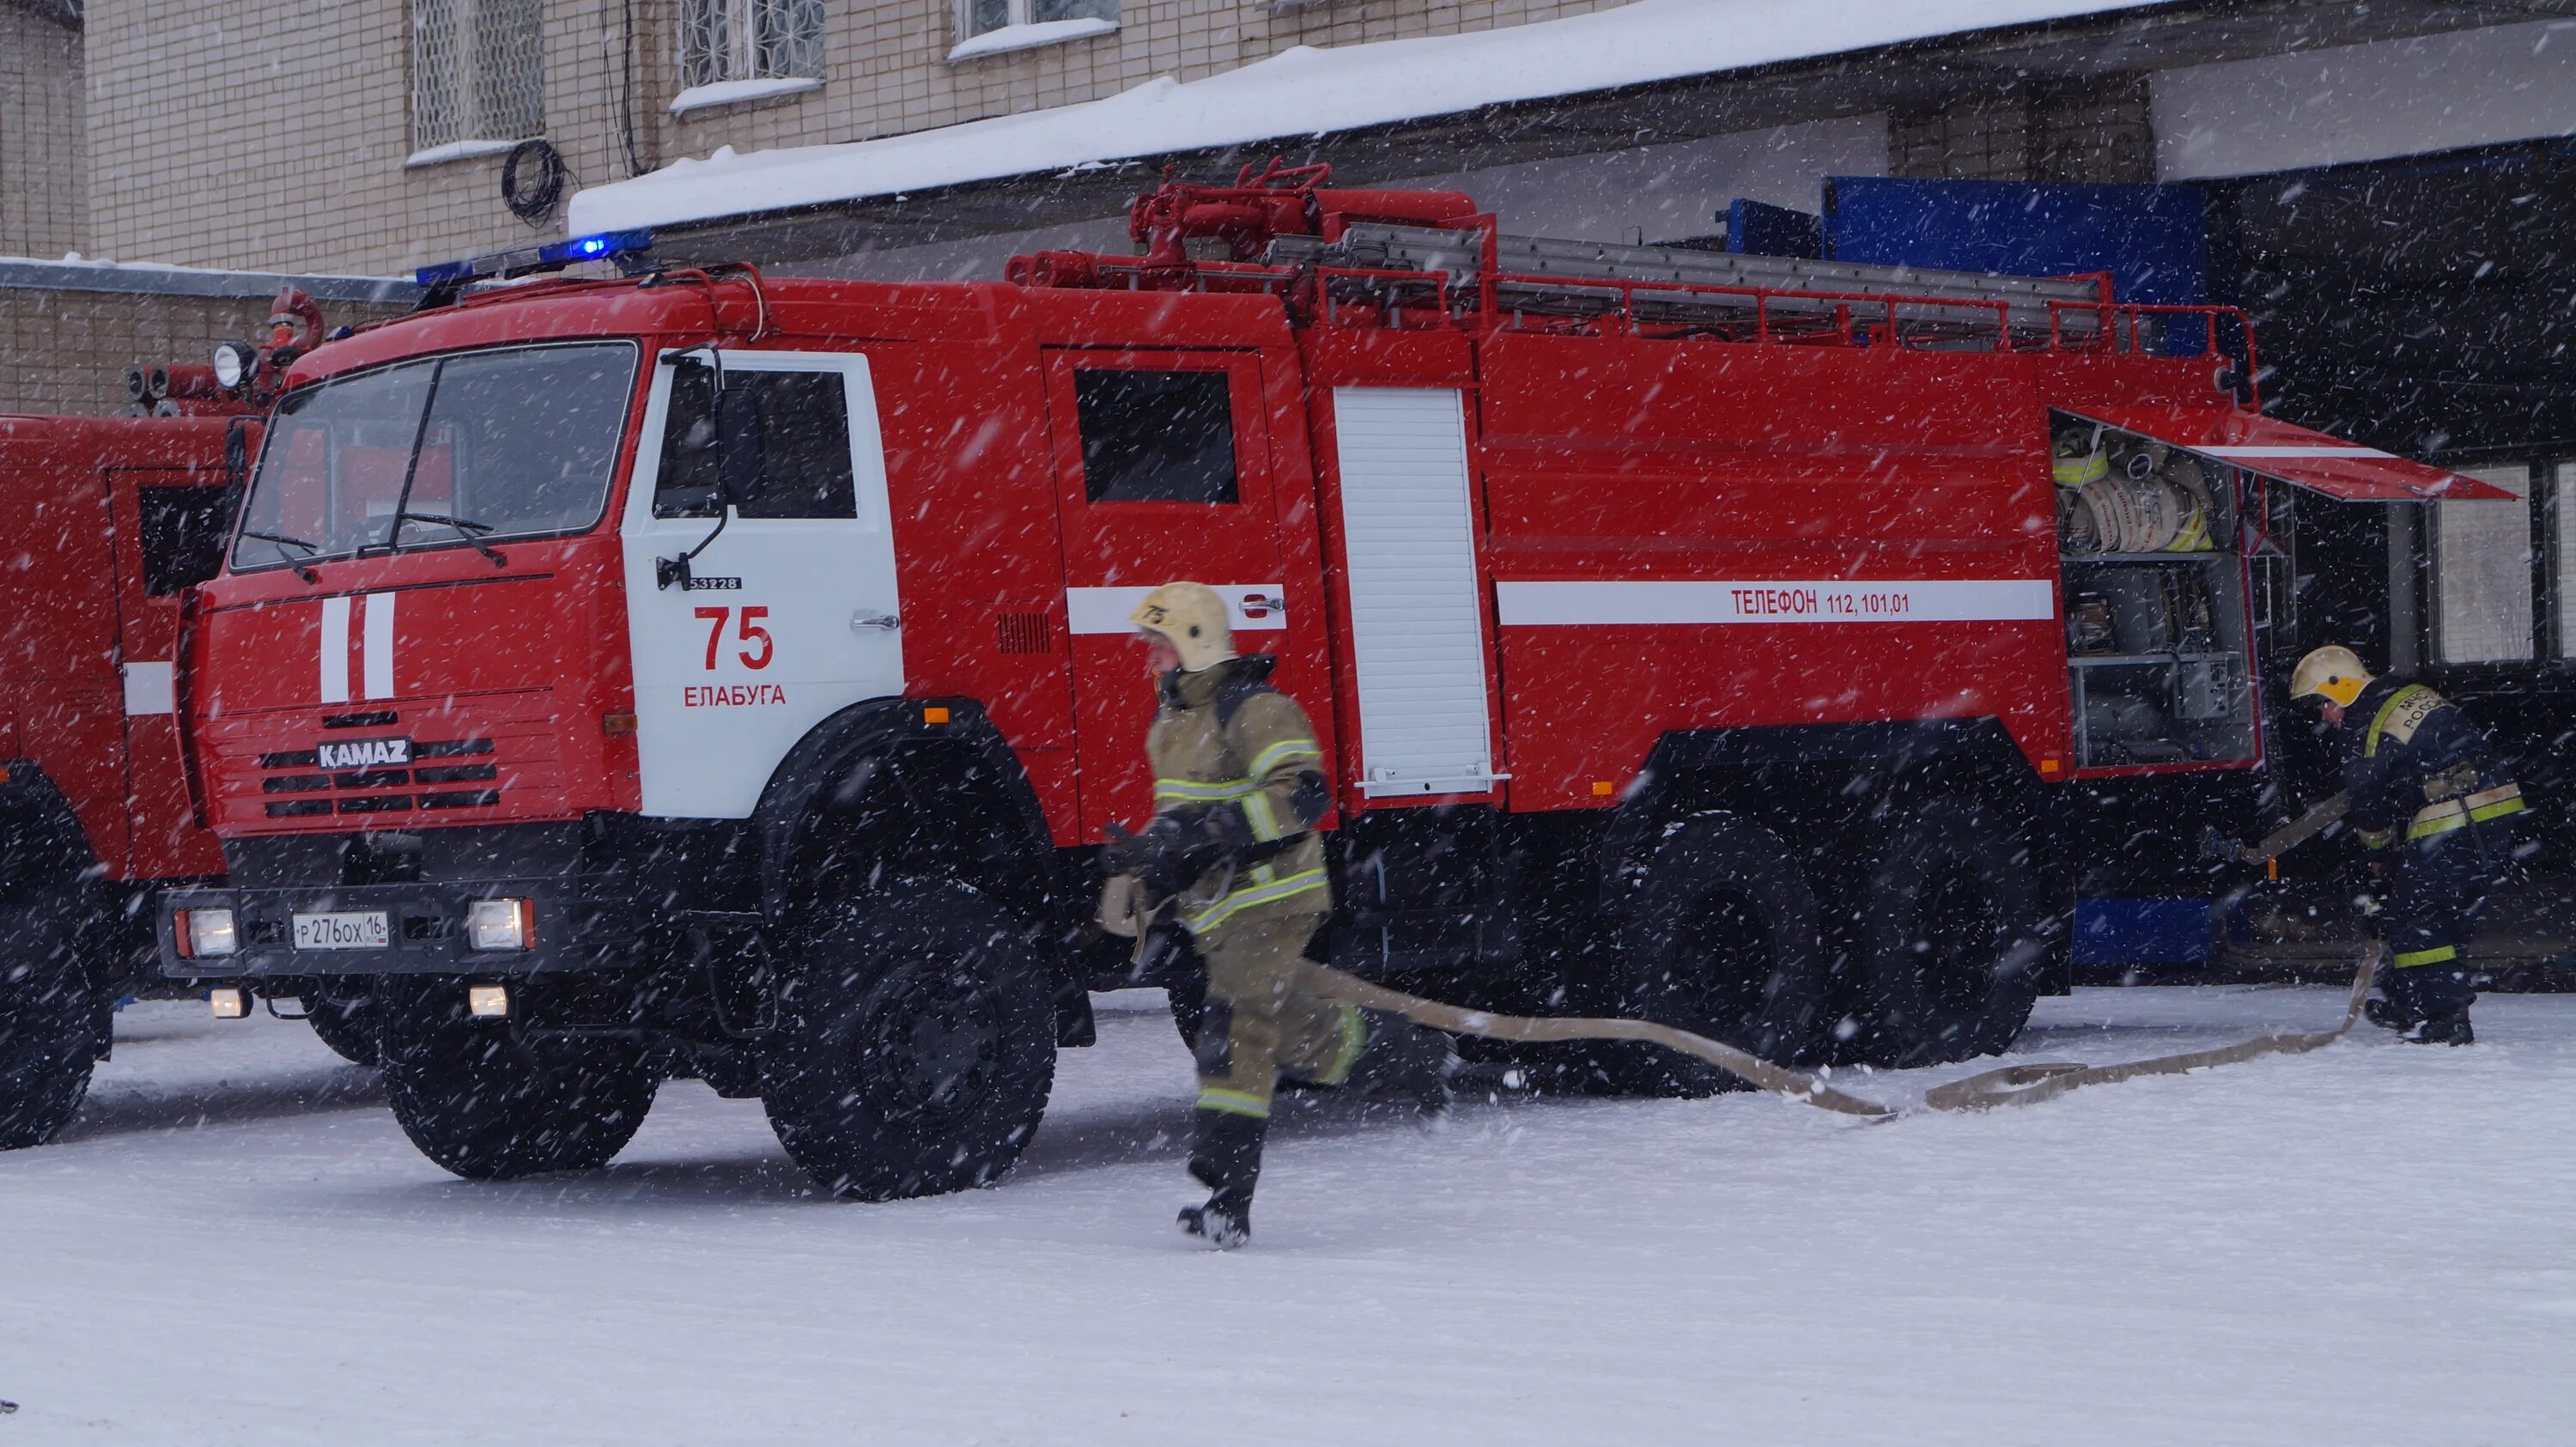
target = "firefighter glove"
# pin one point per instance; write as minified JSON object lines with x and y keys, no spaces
{"x":1176,"y":850}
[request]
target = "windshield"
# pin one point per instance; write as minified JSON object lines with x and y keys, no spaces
{"x":443,"y":452}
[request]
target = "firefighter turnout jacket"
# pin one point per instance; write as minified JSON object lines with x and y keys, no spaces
{"x":2418,"y":766}
{"x":1235,"y":761}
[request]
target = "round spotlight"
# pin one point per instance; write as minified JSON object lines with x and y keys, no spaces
{"x":235,"y":363}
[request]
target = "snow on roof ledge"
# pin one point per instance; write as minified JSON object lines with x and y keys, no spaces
{"x":1305,"y":91}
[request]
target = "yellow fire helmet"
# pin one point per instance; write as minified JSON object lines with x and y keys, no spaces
{"x":1194,"y":618}
{"x":2334,"y":672}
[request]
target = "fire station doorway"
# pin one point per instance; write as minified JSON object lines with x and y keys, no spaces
{"x":2427,"y":306}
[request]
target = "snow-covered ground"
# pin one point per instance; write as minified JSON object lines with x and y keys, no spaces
{"x":2373,"y":1244}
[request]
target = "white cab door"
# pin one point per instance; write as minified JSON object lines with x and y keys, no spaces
{"x":791,"y":613}
{"x":1417,"y":626}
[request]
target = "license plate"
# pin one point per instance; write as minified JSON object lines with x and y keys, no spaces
{"x":363,"y":929}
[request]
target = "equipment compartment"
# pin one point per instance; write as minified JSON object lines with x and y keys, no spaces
{"x":2153,"y":573}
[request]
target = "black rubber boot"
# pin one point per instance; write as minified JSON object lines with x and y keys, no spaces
{"x":2389,"y":1015}
{"x":2451,"y":1028}
{"x":1405,"y":1062}
{"x":1225,"y":1157}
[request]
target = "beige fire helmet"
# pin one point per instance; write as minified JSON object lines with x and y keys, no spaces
{"x":1194,"y":618}
{"x":2333,"y":671}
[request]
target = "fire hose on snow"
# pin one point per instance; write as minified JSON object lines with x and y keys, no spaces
{"x":2010,"y":1085}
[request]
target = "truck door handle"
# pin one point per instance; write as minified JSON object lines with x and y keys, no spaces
{"x":1275,"y":605}
{"x":888,"y":621}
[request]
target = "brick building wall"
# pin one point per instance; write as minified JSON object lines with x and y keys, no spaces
{"x":198,"y":165}
{"x":2099,"y":129}
{"x":275,"y":135}
{"x":887,"y":70}
{"x":44,"y":198}
{"x":66,"y":350}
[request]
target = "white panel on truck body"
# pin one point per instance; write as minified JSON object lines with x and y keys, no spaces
{"x":1419,"y":649}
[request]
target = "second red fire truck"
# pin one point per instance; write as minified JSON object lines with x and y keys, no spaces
{"x":698,"y":671}
{"x":106,"y":523}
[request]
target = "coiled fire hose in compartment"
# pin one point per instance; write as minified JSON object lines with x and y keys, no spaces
{"x":2010,"y":1085}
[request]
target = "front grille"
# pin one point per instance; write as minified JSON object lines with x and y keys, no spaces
{"x":380,"y":791}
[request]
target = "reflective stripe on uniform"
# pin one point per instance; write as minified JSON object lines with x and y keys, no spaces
{"x":1354,"y":1040}
{"x":1187,"y":791}
{"x":1233,"y":1102}
{"x":1263,"y":819}
{"x":2442,"y":818}
{"x":1302,"y":882}
{"x":1281,"y":752}
{"x":2439,"y":954}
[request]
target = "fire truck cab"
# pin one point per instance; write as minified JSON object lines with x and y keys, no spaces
{"x":705,"y":672}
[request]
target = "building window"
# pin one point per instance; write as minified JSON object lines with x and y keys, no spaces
{"x":478,"y":74}
{"x":2482,"y":603}
{"x":1009,"y":24}
{"x":727,"y":40}
{"x":2562,"y":577}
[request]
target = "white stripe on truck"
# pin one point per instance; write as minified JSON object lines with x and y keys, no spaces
{"x":1844,"y":600}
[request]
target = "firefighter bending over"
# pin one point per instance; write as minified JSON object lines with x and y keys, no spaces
{"x":2424,"y":783}
{"x":1232,"y":852}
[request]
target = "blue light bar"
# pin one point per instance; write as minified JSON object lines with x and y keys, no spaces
{"x":524,"y":260}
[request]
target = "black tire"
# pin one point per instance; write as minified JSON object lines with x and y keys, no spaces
{"x":489,"y":1102}
{"x":344,"y":1018}
{"x":50,"y":1021}
{"x":1949,"y":945}
{"x":1720,"y":939}
{"x":915,"y":1046}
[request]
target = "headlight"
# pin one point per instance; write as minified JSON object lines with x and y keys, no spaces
{"x":235,"y":363}
{"x":205,"y":933}
{"x":500,"y":924}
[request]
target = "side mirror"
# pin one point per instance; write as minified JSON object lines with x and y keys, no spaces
{"x":739,"y":445}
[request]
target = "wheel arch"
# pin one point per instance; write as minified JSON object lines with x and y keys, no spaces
{"x":1793,"y":771}
{"x":42,"y":842}
{"x":1825,"y":787}
{"x":883,"y":782}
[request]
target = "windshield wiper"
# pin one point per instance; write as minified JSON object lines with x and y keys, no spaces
{"x":284,"y":542}
{"x":466,"y":528}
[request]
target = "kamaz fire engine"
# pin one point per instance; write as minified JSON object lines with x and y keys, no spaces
{"x":697,"y":671}
{"x":105,"y":526}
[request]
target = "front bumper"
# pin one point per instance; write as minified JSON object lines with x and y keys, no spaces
{"x":426,"y":922}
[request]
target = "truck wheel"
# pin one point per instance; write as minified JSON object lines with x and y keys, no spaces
{"x":488,"y":1102}
{"x":1720,"y":939}
{"x":49,"y":1024}
{"x":1948,"y":938}
{"x":915,"y":1045}
{"x":344,"y":1018}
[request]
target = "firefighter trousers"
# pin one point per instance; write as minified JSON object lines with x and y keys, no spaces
{"x":1261,"y":1020}
{"x":2441,"y":888}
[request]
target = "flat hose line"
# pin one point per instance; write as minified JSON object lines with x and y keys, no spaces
{"x":2010,"y":1085}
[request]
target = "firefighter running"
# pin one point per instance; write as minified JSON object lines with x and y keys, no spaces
{"x":2423,"y":782}
{"x":1232,"y":853}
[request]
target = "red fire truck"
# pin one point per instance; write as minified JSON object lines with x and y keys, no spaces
{"x":105,"y":526}
{"x":698,"y":670}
